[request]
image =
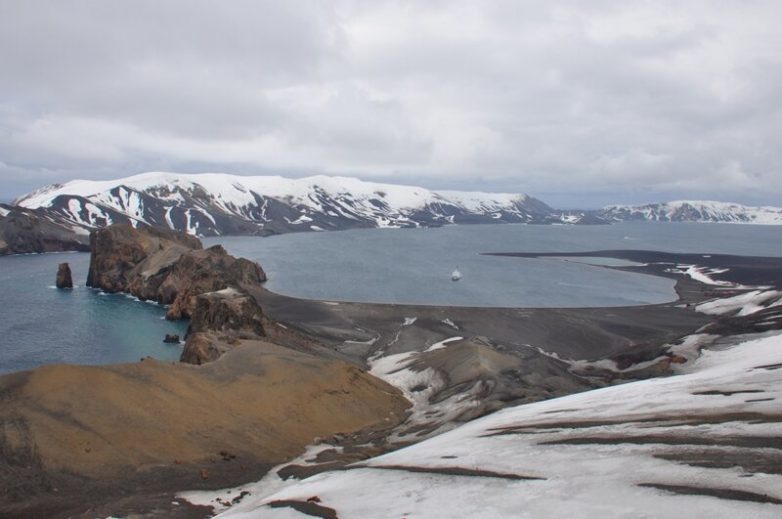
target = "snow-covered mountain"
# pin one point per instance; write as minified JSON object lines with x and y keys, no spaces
{"x":215,"y":204}
{"x":210,"y":204}
{"x":694,"y":211}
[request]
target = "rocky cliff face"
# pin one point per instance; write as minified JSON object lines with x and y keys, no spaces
{"x":22,"y":231}
{"x":200,"y":271}
{"x":124,"y":259}
{"x":220,"y":319}
{"x":169,"y":267}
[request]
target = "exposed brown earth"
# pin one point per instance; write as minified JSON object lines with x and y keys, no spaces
{"x":80,"y":434}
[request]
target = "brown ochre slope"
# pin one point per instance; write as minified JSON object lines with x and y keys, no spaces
{"x":65,"y":427}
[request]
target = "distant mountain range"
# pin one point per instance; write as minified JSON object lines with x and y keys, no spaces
{"x":217,"y":204}
{"x":212,"y":204}
{"x":694,"y":211}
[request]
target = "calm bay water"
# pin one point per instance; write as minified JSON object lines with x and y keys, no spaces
{"x":414,"y":265}
{"x":42,"y":325}
{"x":39,"y":324}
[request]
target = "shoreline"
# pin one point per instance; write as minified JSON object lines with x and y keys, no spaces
{"x":513,"y":346}
{"x":365,"y":331}
{"x":292,"y":309}
{"x":744,"y":263}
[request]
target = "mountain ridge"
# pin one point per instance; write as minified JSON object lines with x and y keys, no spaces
{"x":694,"y":211}
{"x":210,"y":204}
{"x":218,"y":204}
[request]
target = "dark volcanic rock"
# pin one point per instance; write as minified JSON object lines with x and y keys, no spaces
{"x":125,"y":259}
{"x":64,"y":279}
{"x":23,"y":231}
{"x":171,"y":338}
{"x":202,"y":271}
{"x":172,"y":268}
{"x":220,"y":319}
{"x":169,"y":267}
{"x":227,"y":310}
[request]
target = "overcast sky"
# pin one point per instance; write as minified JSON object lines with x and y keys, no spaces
{"x":580,"y":103}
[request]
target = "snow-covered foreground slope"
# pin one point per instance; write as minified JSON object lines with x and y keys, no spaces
{"x":704,"y":443}
{"x":216,"y":203}
{"x":695,"y":211}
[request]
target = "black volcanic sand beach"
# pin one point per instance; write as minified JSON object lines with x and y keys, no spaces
{"x":517,"y":350}
{"x":746,"y":270}
{"x":536,"y":342}
{"x":574,"y":333}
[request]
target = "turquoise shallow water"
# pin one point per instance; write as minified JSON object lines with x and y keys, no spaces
{"x":414,"y":265}
{"x":40,"y":324}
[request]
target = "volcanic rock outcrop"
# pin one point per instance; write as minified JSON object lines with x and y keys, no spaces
{"x":64,"y":279}
{"x":200,"y":271}
{"x":124,"y":259}
{"x":168,"y":267}
{"x":219,"y":321}
{"x":22,"y":231}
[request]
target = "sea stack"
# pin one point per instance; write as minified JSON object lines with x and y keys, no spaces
{"x":64,"y":279}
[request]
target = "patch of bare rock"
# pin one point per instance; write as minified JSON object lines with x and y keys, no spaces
{"x":169,"y":267}
{"x":24,"y":231}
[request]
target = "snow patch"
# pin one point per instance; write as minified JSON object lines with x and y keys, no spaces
{"x":169,"y":222}
{"x":221,"y":500}
{"x":450,"y":323}
{"x":230,"y":291}
{"x":443,"y":344}
{"x":702,"y":274}
{"x":742,"y":304}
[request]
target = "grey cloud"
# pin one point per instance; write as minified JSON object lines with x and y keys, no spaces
{"x":583,"y":102}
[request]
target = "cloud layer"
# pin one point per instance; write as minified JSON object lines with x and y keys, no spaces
{"x":580,"y":103}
